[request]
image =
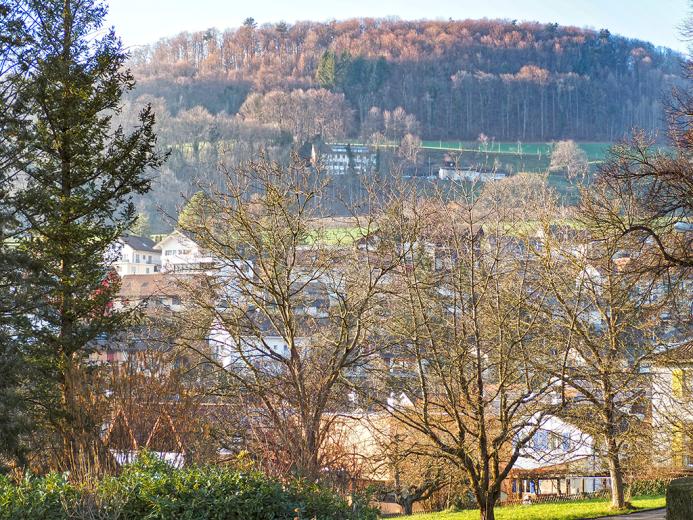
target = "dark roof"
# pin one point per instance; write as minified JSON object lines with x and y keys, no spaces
{"x":329,"y":148}
{"x":138,"y":338}
{"x":138,"y":243}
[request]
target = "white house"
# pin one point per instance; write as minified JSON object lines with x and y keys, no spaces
{"x":180,"y":254}
{"x":340,"y":159}
{"x":136,"y":255}
{"x":560,"y":459}
{"x":263,"y":349}
{"x":447,"y":173}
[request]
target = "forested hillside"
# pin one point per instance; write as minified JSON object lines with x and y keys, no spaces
{"x":526,"y":81}
{"x":228,"y":94}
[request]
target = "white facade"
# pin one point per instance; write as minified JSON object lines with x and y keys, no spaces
{"x":260,"y":352}
{"x":556,"y":442}
{"x":340,"y":159}
{"x":567,"y":452}
{"x":136,"y":256}
{"x":569,"y":485}
{"x":180,"y":254}
{"x":454,"y":174}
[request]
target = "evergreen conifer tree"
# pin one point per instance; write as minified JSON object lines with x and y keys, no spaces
{"x":78,"y":175}
{"x":15,"y":305}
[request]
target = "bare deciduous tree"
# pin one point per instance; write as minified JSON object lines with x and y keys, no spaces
{"x":606,"y":316}
{"x":567,"y":156}
{"x":294,"y":307}
{"x":303,"y":113}
{"x":403,"y":455}
{"x":410,"y":149}
{"x":647,"y":194}
{"x":466,"y":366}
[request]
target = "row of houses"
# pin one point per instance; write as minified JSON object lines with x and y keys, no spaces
{"x":174,"y":253}
{"x":560,"y":459}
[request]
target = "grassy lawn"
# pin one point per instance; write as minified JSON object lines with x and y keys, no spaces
{"x":564,"y":511}
{"x":594,"y":151}
{"x":337,"y":235}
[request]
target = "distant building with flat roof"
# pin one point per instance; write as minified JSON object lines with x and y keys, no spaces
{"x":341,"y":159}
{"x":470,"y":174}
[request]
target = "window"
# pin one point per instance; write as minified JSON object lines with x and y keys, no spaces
{"x":541,"y":440}
{"x":169,"y":252}
{"x":566,"y":441}
{"x":137,"y":258}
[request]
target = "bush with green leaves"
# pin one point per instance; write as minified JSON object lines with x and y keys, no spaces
{"x":649,"y":487}
{"x":150,"y":489}
{"x":48,"y":498}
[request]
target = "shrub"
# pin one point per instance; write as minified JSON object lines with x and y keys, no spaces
{"x":680,"y":499}
{"x":48,"y":498}
{"x":151,"y":489}
{"x":649,"y":487}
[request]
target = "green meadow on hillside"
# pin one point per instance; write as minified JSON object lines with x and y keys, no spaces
{"x":595,"y":151}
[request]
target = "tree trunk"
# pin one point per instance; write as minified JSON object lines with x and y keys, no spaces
{"x":487,"y":514}
{"x":617,"y":496}
{"x":309,"y":462}
{"x":407,"y":506}
{"x":486,"y":508}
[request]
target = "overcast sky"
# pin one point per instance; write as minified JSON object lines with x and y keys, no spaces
{"x":139,"y":22}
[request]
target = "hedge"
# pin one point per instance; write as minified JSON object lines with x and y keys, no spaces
{"x":150,"y":489}
{"x":680,"y":499}
{"x":654,"y":486}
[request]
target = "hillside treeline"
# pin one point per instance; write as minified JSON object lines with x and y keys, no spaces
{"x":508,"y":80}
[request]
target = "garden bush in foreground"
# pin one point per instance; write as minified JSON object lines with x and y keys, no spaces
{"x":150,"y":489}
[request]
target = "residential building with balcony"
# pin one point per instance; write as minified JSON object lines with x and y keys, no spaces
{"x":136,"y":255}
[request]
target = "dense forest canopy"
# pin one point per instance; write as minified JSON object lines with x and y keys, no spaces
{"x":526,"y":81}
